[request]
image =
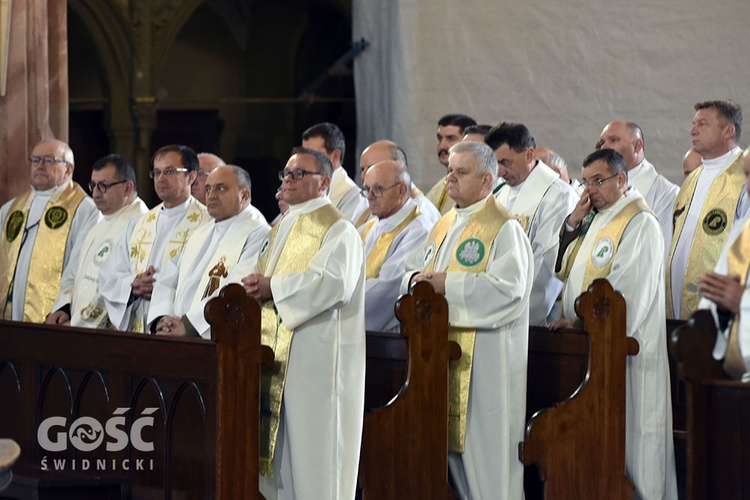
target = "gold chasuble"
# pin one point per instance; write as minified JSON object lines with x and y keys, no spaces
{"x":608,"y":238}
{"x":376,"y":258}
{"x":716,"y":219}
{"x":738,"y":263}
{"x":304,"y":241}
{"x":438,"y":195}
{"x":47,"y":256}
{"x":471,"y":256}
{"x":142,"y":242}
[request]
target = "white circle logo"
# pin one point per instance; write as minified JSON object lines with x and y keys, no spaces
{"x":603,"y":251}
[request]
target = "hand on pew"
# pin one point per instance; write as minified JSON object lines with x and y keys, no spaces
{"x":725,"y":291}
{"x":437,"y":280}
{"x":562,"y":324}
{"x":171,"y":326}
{"x":58,"y":318}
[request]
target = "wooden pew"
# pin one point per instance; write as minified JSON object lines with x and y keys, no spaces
{"x":205,"y":395}
{"x":718,"y":415}
{"x":579,"y":445}
{"x":405,"y":443}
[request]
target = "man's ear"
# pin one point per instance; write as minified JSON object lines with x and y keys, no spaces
{"x":336,"y":157}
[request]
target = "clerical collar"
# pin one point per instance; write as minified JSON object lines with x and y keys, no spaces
{"x":401,"y":214}
{"x":722,"y":161}
{"x":308,"y":205}
{"x":633,"y":171}
{"x":472,"y":209}
{"x":177,"y":208}
{"x":47,"y":193}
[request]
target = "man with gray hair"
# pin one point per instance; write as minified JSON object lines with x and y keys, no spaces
{"x":207,"y":162}
{"x":479,"y":258}
{"x":397,"y":229}
{"x":42,"y":232}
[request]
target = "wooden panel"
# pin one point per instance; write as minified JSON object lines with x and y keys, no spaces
{"x":93,"y":379}
{"x":579,"y":445}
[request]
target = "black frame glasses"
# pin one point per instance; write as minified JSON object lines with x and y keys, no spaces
{"x":103,"y":186}
{"x":297,"y":174}
{"x":597,"y":183}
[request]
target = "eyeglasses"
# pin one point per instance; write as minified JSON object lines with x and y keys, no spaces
{"x":377,"y":191}
{"x":47,"y":160}
{"x":297,"y":174}
{"x":103,"y":186}
{"x":169,"y":172}
{"x":597,"y":183}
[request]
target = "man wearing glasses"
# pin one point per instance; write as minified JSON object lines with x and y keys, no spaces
{"x":612,"y":234}
{"x":113,"y":187}
{"x":127,"y":279}
{"x":397,"y":229}
{"x":309,"y":276}
{"x":40,"y":234}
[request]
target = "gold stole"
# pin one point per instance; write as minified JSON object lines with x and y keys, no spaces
{"x":47,"y":256}
{"x":376,"y":258}
{"x":303,"y":242}
{"x":438,"y":195}
{"x":475,"y":241}
{"x":717,"y":217}
{"x":142,"y":242}
{"x":608,"y":238}
{"x":362,"y":219}
{"x":738,"y":263}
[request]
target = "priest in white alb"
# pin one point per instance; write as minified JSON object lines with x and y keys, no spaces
{"x":398,"y":228}
{"x":126,"y":279}
{"x":309,"y":276}
{"x":612,"y":234}
{"x":190,"y":279}
{"x":725,"y":292}
{"x":113,"y":188}
{"x":540,"y":200}
{"x":479,"y":257}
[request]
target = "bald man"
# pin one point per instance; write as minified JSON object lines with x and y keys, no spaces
{"x":397,"y":229}
{"x":627,"y":139}
{"x":42,"y":232}
{"x":388,"y":150}
{"x":207,"y":162}
{"x":691,"y":161}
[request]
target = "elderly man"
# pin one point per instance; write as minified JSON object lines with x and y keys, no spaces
{"x":398,"y":228}
{"x":207,"y":162}
{"x":540,"y":200}
{"x":450,"y":131}
{"x":310,"y":276}
{"x":388,"y":150}
{"x":328,"y":139}
{"x":478,"y":256}
{"x":709,"y":202}
{"x":691,"y":161}
{"x":191,"y":278}
{"x":612,"y":234}
{"x":113,"y":187}
{"x":725,"y":291}
{"x":42,"y":232}
{"x":627,"y":139}
{"x":127,"y":278}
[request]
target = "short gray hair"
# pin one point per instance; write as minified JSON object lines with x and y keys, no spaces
{"x":484,"y":158}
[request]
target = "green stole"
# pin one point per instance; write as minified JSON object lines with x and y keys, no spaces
{"x":304,"y":241}
{"x":471,"y":255}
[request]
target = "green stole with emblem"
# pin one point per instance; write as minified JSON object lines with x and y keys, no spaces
{"x":47,"y":256}
{"x":142,"y":242}
{"x":612,"y":231}
{"x":304,"y":241}
{"x":717,"y":217}
{"x":481,"y":229}
{"x":376,"y":257}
